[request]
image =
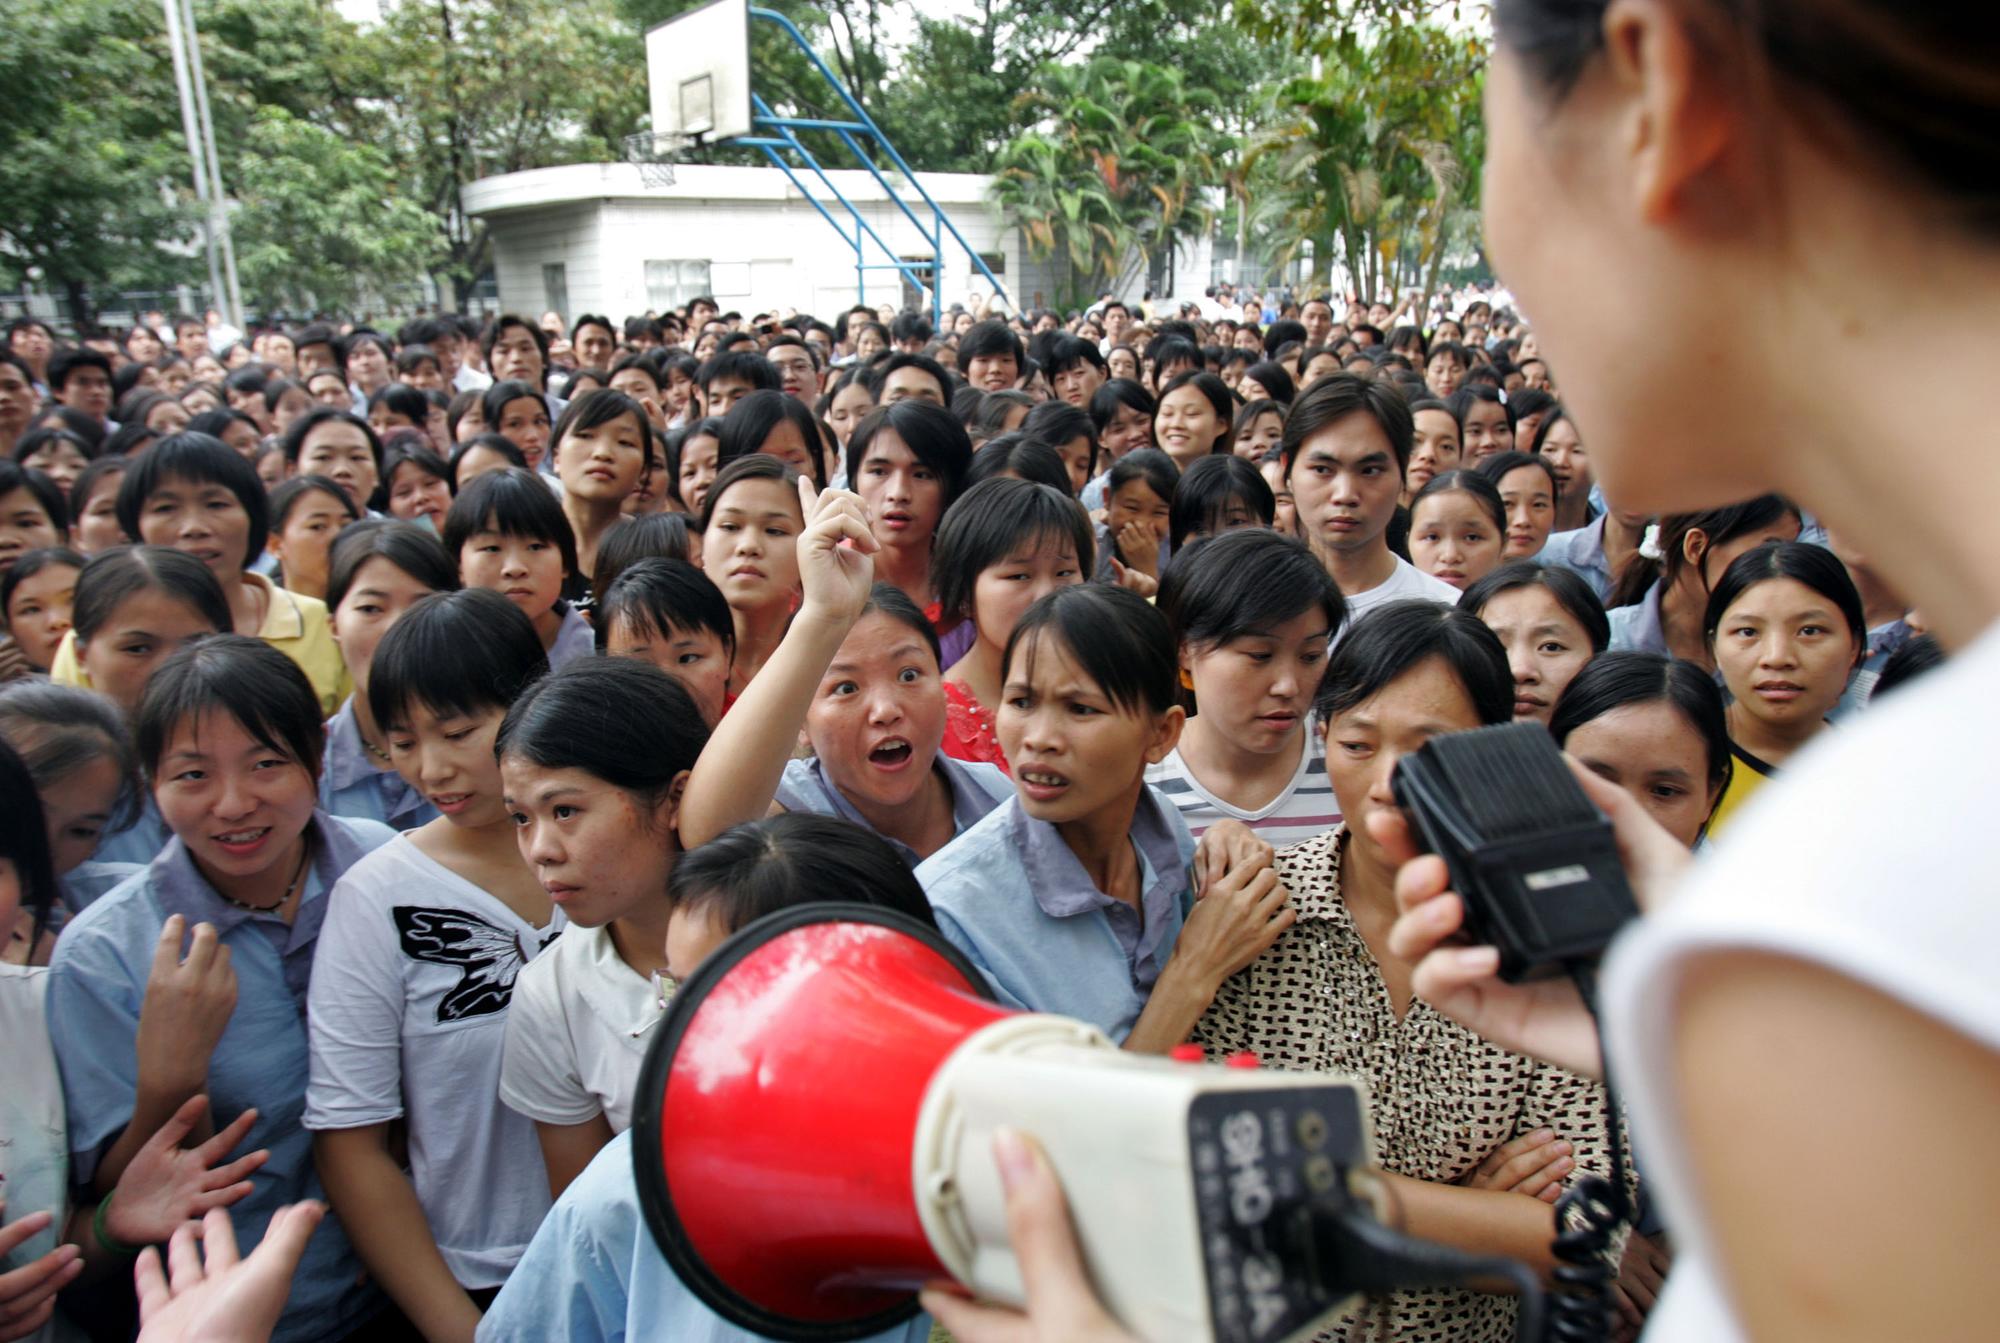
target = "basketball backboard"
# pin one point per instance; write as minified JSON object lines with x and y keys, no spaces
{"x":698,"y":73}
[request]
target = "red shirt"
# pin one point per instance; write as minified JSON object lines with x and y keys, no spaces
{"x":968,"y":728}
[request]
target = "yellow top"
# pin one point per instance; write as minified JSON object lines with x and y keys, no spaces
{"x":1749,"y":775}
{"x":297,"y":626}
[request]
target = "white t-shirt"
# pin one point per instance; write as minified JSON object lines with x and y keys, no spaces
{"x":578,"y":1032}
{"x":1868,"y":858}
{"x":1407,"y":581}
{"x":1306,"y":808}
{"x":408,"y":1009}
{"x":34,"y":1139}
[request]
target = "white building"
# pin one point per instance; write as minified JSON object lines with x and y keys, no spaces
{"x":599,"y":237}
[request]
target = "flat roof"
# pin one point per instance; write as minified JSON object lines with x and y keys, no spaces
{"x":575,"y":182}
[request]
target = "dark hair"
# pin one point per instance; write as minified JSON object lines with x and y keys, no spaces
{"x":1220,"y":399}
{"x":876,"y":375}
{"x":408,"y":546}
{"x":990,"y":417}
{"x":641,"y":360}
{"x":1482,"y":491}
{"x":24,"y":840}
{"x":659,"y":595}
{"x":618,"y":719}
{"x":599,"y":408}
{"x":27,"y":566}
{"x":1502,"y":464}
{"x":1528,"y":401}
{"x":215,"y":423}
{"x":399,"y":398}
{"x":248,"y":679}
{"x":1251,"y":412}
{"x":456,"y":653}
{"x":1114,"y":636}
{"x":401,"y":454}
{"x":909,"y":325}
{"x":1209,"y":487}
{"x":647,"y":536}
{"x":69,"y":358}
{"x":1619,"y":679}
{"x":676,"y":441}
{"x":1911,"y":89}
{"x":35,"y":440}
{"x":494,"y":331}
{"x":984,"y":340}
{"x":795,"y":858}
{"x":891,"y":601}
{"x":986,"y":525}
{"x":295,"y":437}
{"x":1571,"y":593}
{"x":346,"y":347}
{"x":1166,"y":350}
{"x":1424,"y":403}
{"x":1273,"y":378}
{"x":1460,"y":402}
{"x":757,"y":466}
{"x":1913,"y":659}
{"x":1549,"y":421}
{"x":1022,"y":456}
{"x":512,"y":502}
{"x":490,"y":441}
{"x":48,"y":494}
{"x":751,"y":421}
{"x":1119,"y":394}
{"x":111,"y":577}
{"x":743,"y":365}
{"x":503,"y":394}
{"x":1151,"y":465}
{"x":933,"y":437}
{"x":1244,"y":583}
{"x":199,"y":460}
{"x":593,"y":319}
{"x":58,"y":729}
{"x":1064,"y":352}
{"x":1815,"y":566}
{"x":1396,"y":637}
{"x":1718,"y":525}
{"x":454,"y":412}
{"x":1057,"y":422}
{"x":1339,"y":395}
{"x":129,"y":439}
{"x":289,"y":495}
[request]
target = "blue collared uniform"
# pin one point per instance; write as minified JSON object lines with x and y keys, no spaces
{"x":976,"y":789}
{"x":96,"y":985}
{"x":350,"y":785}
{"x":1011,"y":896}
{"x":593,"y":1274}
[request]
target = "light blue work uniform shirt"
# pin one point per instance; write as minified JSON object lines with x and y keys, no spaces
{"x":1011,"y":896}
{"x":976,"y":789}
{"x":593,"y":1274}
{"x":97,"y":983}
{"x":1637,"y":629}
{"x":1582,"y":553}
{"x":84,"y":883}
{"x":350,"y":785}
{"x":138,"y":842}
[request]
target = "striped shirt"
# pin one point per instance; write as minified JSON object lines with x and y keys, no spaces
{"x":1305,"y":809}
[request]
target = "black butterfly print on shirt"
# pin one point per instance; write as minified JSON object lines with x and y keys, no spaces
{"x":488,"y":957}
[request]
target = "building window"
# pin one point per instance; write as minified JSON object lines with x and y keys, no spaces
{"x":670,"y":284}
{"x":555,"y":288}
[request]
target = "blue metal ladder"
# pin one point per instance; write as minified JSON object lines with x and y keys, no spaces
{"x":780,"y":139}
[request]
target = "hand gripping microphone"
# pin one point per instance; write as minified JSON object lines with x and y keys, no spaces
{"x":814,"y":1140}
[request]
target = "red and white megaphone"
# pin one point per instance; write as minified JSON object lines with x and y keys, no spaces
{"x":814,"y":1140}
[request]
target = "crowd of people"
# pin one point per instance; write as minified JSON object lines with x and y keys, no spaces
{"x":390,"y":719}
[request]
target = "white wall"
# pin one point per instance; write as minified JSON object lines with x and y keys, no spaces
{"x":766,"y":246}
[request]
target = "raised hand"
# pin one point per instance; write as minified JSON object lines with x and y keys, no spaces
{"x":28,"y":1294}
{"x":187,"y":1007}
{"x":227,"y":1299}
{"x":166,"y":1186}
{"x":836,"y":577}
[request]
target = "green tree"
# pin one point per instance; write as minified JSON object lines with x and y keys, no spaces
{"x":89,"y":148}
{"x":321,"y":224}
{"x":1114,"y":172}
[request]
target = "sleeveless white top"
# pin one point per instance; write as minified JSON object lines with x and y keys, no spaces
{"x":1869,"y":857}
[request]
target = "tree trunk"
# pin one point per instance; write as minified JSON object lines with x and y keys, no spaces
{"x":80,"y":314}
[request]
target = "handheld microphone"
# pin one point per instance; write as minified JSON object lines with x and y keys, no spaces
{"x":1530,"y":855}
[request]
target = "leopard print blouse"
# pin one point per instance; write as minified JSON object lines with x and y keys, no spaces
{"x":1442,"y":1098}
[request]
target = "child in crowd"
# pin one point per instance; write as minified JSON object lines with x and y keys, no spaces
{"x":192,"y":975}
{"x":509,"y":535}
{"x":380,"y":569}
{"x":595,"y":814}
{"x":422,"y":942}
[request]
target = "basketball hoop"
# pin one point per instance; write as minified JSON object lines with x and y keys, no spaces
{"x":655,"y":155}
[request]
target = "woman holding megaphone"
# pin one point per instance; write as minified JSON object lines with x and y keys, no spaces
{"x":1819,"y":985}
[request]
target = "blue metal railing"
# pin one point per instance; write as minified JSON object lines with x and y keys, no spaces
{"x":781,"y":139}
